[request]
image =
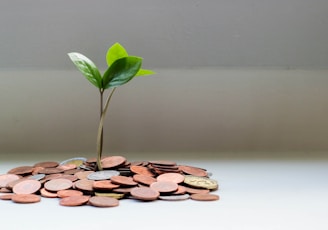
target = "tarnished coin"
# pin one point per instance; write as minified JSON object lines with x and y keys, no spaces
{"x":112,"y":161}
{"x":78,"y":161}
{"x":174,"y":177}
{"x":102,"y":175}
{"x":163,"y":162}
{"x":164,"y":186}
{"x":58,"y":184}
{"x":74,"y":200}
{"x":141,"y":170}
{"x":175,"y":197}
{"x":147,"y":180}
{"x":144,"y":193}
{"x":201,"y":182}
{"x":69,"y":192}
{"x":26,"y":198}
{"x":193,"y":170}
{"x":103,"y":201}
{"x":27,"y":187}
{"x":6,"y":178}
{"x":204,"y":197}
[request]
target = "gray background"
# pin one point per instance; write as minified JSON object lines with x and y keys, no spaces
{"x":238,"y":77}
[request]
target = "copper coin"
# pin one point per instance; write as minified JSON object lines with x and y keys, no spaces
{"x":6,"y":178}
{"x":47,"y":164}
{"x":112,"y":161}
{"x":72,"y":171}
{"x":27,"y":187}
{"x":123,"y":180}
{"x":103,"y":201}
{"x":83,"y":174}
{"x":67,"y":167}
{"x":69,"y":192}
{"x":21,"y":170}
{"x":5,"y":190}
{"x":125,"y":190}
{"x":51,"y":170}
{"x":74,"y":200}
{"x":58,"y":184}
{"x":84,"y":184}
{"x":174,"y":177}
{"x":104,"y":185}
{"x":6,"y":196}
{"x":145,"y":193}
{"x":26,"y":198}
{"x":196,"y":190}
{"x":68,"y":177}
{"x":141,"y":170}
{"x":47,"y":194}
{"x":204,"y":197}
{"x":181,"y":190}
{"x":52,"y":176}
{"x":11,"y":184}
{"x":162,"y":162}
{"x":193,"y":170}
{"x":147,"y":180}
{"x":36,"y":170}
{"x":164,"y":186}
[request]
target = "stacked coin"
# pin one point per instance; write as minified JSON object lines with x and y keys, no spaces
{"x":76,"y":182}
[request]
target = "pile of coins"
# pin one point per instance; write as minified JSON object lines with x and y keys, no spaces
{"x":76,"y":182}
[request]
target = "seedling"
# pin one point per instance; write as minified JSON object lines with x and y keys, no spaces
{"x":121,"y":69}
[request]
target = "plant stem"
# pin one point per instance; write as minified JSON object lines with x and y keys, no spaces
{"x":101,"y":126}
{"x":102,"y":130}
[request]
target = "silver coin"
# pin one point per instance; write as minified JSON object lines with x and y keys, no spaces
{"x":103,"y":175}
{"x":37,"y":176}
{"x":76,"y":160}
{"x":175,"y":197}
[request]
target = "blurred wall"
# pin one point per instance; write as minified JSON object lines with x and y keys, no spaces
{"x":232,"y":76}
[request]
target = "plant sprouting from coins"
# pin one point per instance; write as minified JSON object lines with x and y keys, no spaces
{"x":121,"y":69}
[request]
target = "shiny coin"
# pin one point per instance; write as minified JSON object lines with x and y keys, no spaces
{"x":204,"y":197}
{"x":175,"y":197}
{"x":164,"y":186}
{"x":27,"y":187}
{"x":58,"y":184}
{"x":74,"y":200}
{"x":26,"y":198}
{"x":6,"y":178}
{"x":102,"y":175}
{"x":37,"y":176}
{"x":112,"y":161}
{"x":144,"y":193}
{"x":78,"y":161}
{"x":200,"y":182}
{"x":174,"y":177}
{"x":103,"y":201}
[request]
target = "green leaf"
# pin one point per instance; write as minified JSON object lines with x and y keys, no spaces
{"x":121,"y":71}
{"x":87,"y":68}
{"x":115,"y":52}
{"x":145,"y":72}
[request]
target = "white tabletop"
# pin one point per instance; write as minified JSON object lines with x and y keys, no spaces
{"x":254,"y":194}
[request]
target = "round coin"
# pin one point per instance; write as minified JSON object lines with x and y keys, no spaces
{"x":104,"y":185}
{"x":147,"y":180}
{"x":164,"y":186}
{"x":21,"y":170}
{"x":112,"y":161}
{"x":69,"y":192}
{"x":175,"y":197}
{"x":193,"y":170}
{"x":201,"y":182}
{"x":47,"y":194}
{"x":204,"y":197}
{"x":6,"y":196}
{"x":123,"y":180}
{"x":47,"y":164}
{"x":74,"y":200}
{"x":141,"y":170}
{"x":144,"y":193}
{"x":103,"y":201}
{"x":26,"y":198}
{"x":58,"y":184}
{"x":102,"y":175}
{"x":78,"y":161}
{"x":27,"y":187}
{"x":174,"y":177}
{"x":6,"y":178}
{"x":84,"y":184}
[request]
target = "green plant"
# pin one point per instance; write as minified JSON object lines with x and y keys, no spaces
{"x":121,"y":69}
